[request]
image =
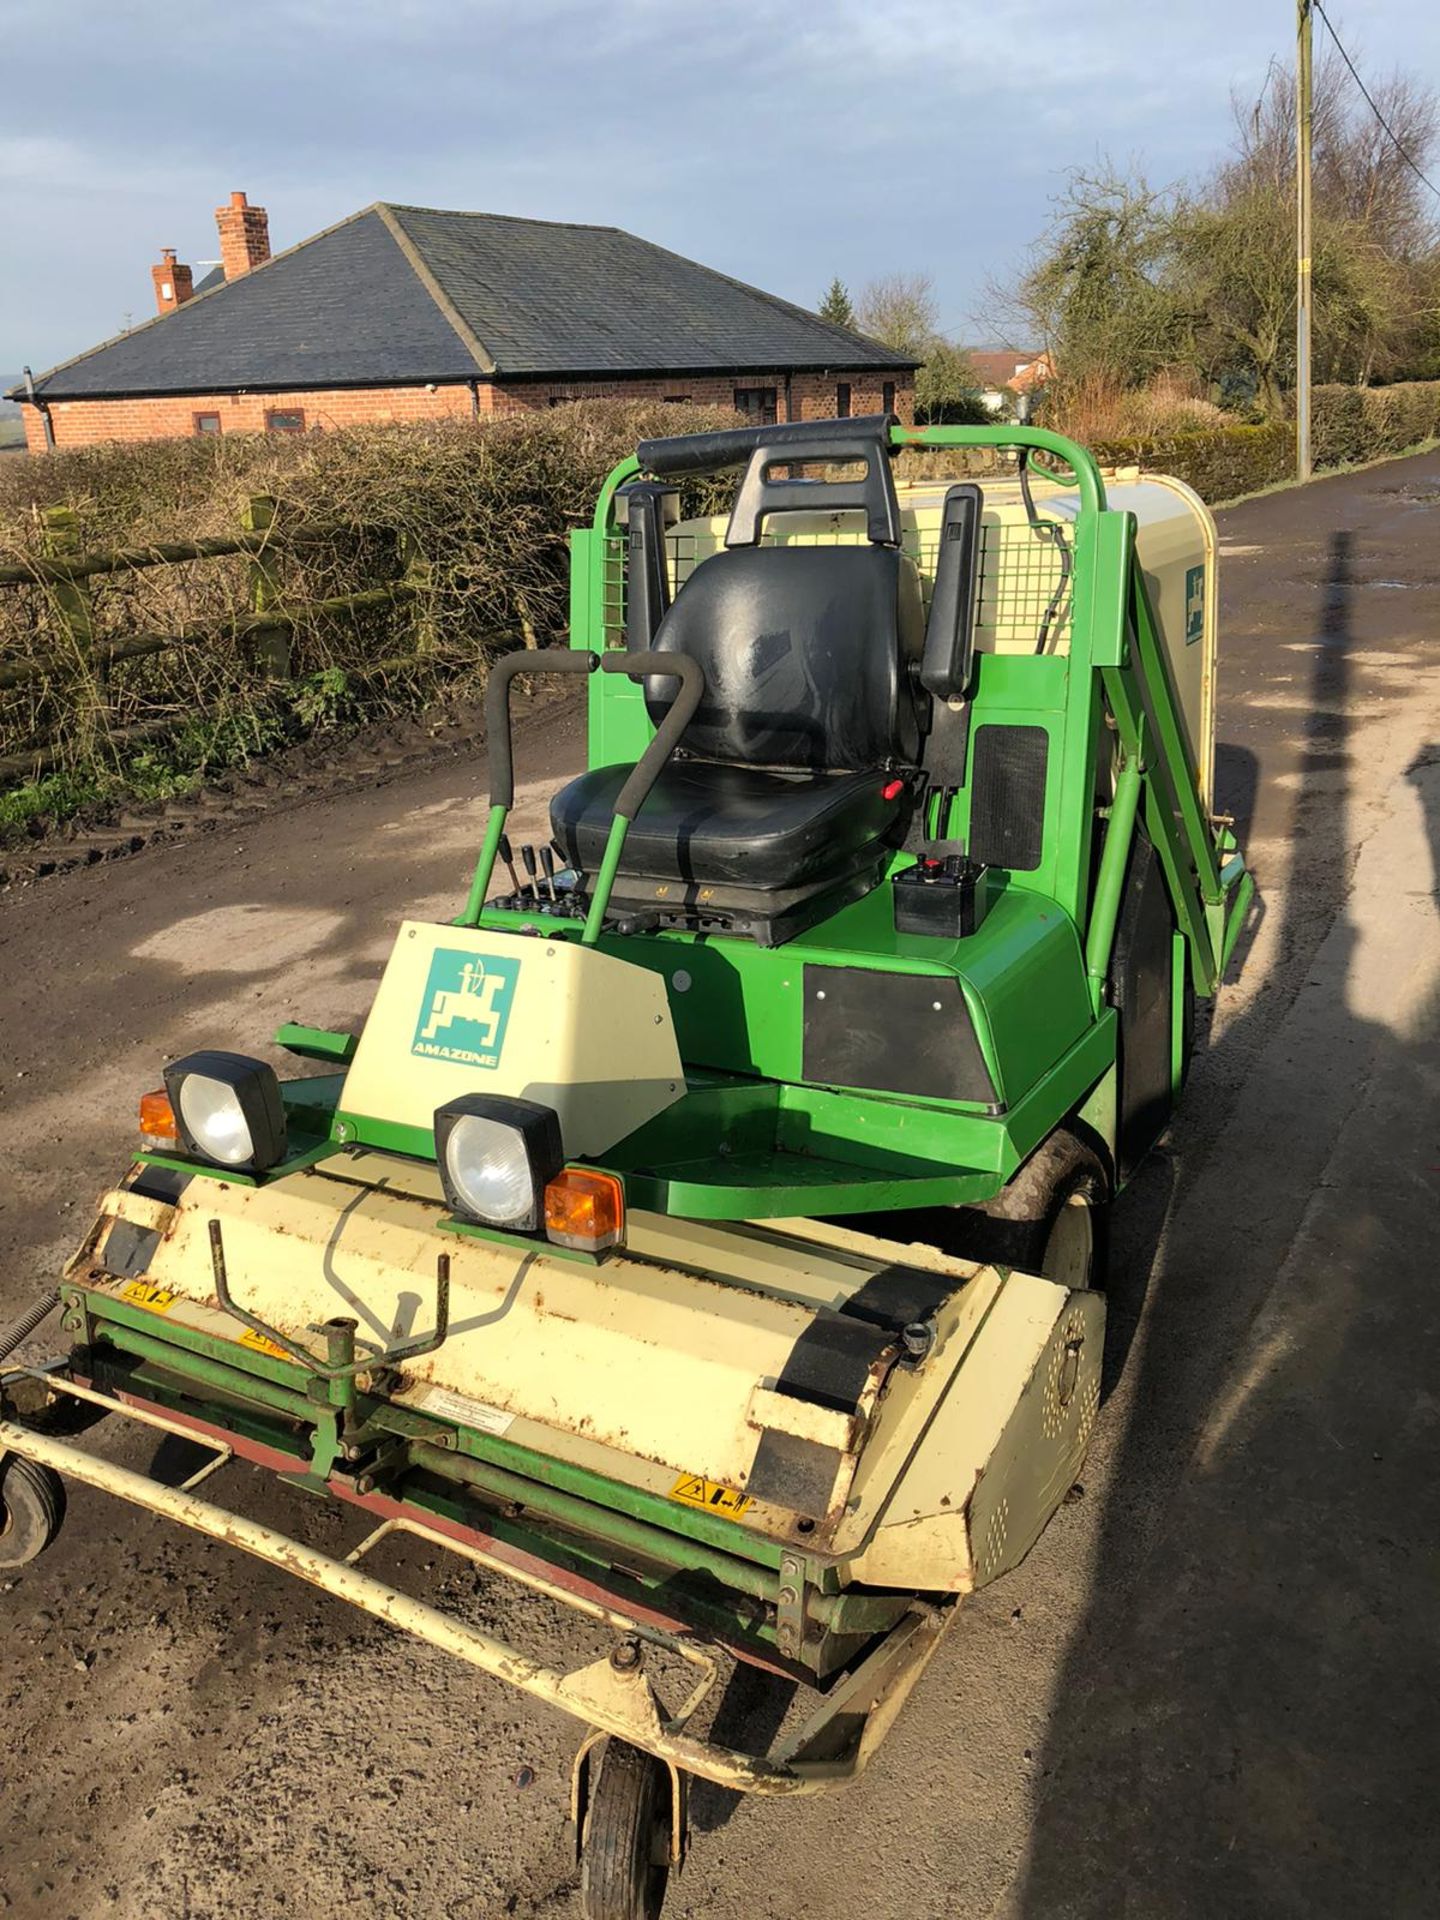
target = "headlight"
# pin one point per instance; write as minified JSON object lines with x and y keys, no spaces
{"x":496,"y":1156}
{"x":228,"y":1109}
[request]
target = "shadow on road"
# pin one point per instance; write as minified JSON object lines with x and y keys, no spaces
{"x":1244,"y":1724}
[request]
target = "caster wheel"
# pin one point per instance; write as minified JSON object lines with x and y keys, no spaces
{"x":32,"y":1505}
{"x":625,"y":1858}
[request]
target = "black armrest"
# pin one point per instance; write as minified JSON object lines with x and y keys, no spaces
{"x":945,"y":666}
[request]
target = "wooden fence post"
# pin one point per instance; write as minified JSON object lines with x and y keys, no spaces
{"x":272,"y":648}
{"x":70,"y":599}
{"x":419,"y":578}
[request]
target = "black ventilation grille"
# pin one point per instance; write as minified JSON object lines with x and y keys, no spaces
{"x":1007,"y":797}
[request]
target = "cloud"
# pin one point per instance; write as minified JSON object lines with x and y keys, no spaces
{"x":780,"y":143}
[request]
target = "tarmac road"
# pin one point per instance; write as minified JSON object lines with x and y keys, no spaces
{"x":1209,"y":1691}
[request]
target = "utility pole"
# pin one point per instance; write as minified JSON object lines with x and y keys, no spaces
{"x":1303,"y":124}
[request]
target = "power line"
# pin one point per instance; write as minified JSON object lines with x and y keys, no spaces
{"x":1390,"y":131}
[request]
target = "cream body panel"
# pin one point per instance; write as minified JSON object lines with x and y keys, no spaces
{"x":576,"y":1030}
{"x":1002,"y":1447}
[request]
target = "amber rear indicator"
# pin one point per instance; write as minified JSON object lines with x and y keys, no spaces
{"x":585,"y":1210}
{"x":158,"y":1133}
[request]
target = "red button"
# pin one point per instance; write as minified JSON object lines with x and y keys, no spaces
{"x":892,"y":790}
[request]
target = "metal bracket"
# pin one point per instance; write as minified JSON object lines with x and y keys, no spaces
{"x":334,"y":1370}
{"x":790,"y":1606}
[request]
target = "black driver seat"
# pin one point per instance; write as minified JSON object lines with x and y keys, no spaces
{"x":785,"y":777}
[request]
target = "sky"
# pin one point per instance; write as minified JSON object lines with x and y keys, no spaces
{"x":780,"y":143}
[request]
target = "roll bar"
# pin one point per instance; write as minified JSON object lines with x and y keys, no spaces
{"x":697,"y":453}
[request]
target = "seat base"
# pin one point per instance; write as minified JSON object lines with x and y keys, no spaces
{"x":767,"y":915}
{"x":714,"y":825}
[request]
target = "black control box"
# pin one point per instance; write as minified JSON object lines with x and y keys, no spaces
{"x":943,"y":898}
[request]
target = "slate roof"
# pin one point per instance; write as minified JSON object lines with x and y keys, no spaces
{"x":398,"y":295}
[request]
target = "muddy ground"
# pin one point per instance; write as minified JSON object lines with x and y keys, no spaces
{"x":1209,"y":1691}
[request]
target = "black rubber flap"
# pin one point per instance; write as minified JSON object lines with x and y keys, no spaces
{"x":1007,"y":797}
{"x":828,"y":1366}
{"x":893,"y":1033}
{"x":1142,"y":976}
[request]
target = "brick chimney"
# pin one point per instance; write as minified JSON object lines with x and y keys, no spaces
{"x":244,"y":236}
{"x":174,"y":283}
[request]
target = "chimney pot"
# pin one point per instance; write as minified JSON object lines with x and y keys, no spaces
{"x":237,"y":199}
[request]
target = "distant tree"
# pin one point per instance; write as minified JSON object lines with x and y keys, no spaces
{"x":947,"y":388}
{"x":836,"y":307}
{"x":1099,"y":294}
{"x":898,"y":310}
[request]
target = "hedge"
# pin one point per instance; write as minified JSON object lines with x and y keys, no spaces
{"x":1220,"y":463}
{"x":1349,"y":425}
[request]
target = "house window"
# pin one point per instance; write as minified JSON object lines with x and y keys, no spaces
{"x":757,"y":404}
{"x":207,"y":422}
{"x":284,"y":420}
{"x":887,"y":398}
{"x":842,"y":400}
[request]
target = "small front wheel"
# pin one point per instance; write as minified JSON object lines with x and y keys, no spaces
{"x":32,"y":1506}
{"x":625,"y":1854}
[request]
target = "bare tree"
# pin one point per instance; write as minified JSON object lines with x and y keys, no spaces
{"x":899,"y":311}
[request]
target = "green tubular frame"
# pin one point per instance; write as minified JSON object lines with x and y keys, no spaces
{"x":794,"y":1147}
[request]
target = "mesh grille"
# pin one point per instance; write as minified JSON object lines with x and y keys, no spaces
{"x":1021,"y":575}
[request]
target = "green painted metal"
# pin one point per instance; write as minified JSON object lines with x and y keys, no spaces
{"x":694,"y":1523}
{"x":1110,"y":881}
{"x":178,"y":1356}
{"x":605,"y":880}
{"x":1179,"y":1035}
{"x":307,"y":1156}
{"x":484,"y":867}
{"x":316,"y":1043}
{"x":1080,"y":461}
{"x":602,"y":1522}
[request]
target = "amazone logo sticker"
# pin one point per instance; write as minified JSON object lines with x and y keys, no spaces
{"x":466,"y":1008}
{"x":1194,"y":605}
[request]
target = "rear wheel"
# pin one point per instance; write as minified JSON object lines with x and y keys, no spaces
{"x":625,"y":1859}
{"x":32,"y":1506}
{"x":1049,"y":1219}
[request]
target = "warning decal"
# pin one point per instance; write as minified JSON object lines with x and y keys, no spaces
{"x":694,"y":1491}
{"x":142,"y":1293}
{"x":261,"y":1345}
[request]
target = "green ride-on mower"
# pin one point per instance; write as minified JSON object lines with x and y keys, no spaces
{"x":704,"y":1230}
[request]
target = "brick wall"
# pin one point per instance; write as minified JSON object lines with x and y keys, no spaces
{"x":81,"y":423}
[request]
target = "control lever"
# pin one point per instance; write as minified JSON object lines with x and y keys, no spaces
{"x":508,"y":857}
{"x":527,"y":854}
{"x":547,"y":861}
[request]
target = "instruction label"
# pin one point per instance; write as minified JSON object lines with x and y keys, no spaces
{"x":692,"y":1490}
{"x":143,"y":1293}
{"x":1194,"y":605}
{"x":470,"y":1413}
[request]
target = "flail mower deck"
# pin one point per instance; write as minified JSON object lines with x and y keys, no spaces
{"x":703,"y":1230}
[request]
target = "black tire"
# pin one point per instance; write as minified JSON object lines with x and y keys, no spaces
{"x":1026,"y":1224}
{"x":624,"y":1862}
{"x":32,"y":1506}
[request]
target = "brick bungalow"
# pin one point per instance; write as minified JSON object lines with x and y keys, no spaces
{"x":411,"y":313}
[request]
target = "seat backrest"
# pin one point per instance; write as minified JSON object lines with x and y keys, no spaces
{"x":807,"y":654}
